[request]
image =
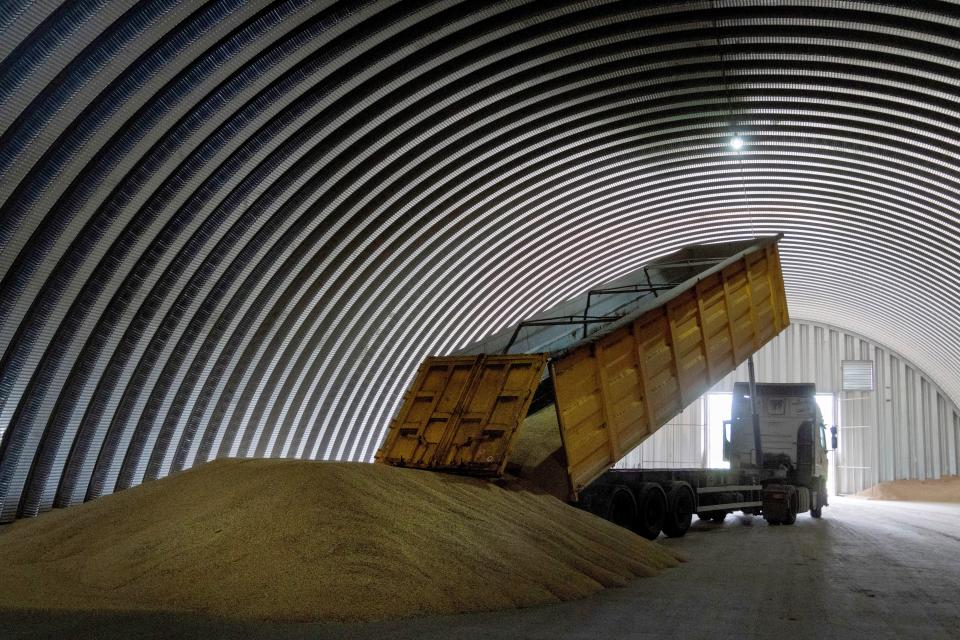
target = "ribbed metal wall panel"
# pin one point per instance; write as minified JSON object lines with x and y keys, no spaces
{"x":235,"y":228}
{"x":679,"y":444}
{"x":905,"y":429}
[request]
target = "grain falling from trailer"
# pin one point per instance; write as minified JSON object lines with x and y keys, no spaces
{"x":538,"y":455}
{"x":309,"y":541}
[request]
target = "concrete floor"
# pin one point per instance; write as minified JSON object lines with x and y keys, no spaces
{"x":866,"y":570}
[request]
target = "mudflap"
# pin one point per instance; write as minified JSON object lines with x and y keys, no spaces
{"x":776,"y":502}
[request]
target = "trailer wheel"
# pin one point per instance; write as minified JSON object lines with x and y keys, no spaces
{"x":680,"y":505}
{"x":622,"y":507}
{"x":651,"y":510}
{"x":611,"y":502}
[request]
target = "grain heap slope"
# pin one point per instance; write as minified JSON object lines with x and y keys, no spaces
{"x":296,"y":540}
{"x":946,"y":489}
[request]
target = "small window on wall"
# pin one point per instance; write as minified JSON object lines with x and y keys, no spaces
{"x":857,"y":375}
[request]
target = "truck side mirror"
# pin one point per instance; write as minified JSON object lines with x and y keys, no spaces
{"x":833,"y":437}
{"x":727,"y":446}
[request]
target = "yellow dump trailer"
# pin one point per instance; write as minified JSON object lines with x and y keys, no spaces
{"x":612,"y":388}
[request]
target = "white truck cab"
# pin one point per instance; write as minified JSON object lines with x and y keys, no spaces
{"x":784,"y":443}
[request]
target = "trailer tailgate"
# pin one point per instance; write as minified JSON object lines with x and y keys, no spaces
{"x":462,"y":412}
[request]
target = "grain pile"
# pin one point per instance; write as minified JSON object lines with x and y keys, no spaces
{"x":297,"y":541}
{"x":946,"y":489}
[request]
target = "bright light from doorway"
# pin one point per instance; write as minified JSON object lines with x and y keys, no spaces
{"x":718,"y":410}
{"x":826,"y":403}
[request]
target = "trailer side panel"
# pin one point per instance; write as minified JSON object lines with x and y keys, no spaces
{"x":614,"y":391}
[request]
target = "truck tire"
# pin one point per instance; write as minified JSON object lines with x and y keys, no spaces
{"x":651,"y":510}
{"x":791,"y":516}
{"x":622,"y":507}
{"x":680,"y":505}
{"x":615,"y":503}
{"x":780,"y":504}
{"x":821,"y":500}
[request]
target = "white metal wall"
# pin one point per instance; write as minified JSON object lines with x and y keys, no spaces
{"x":906,"y":428}
{"x":680,"y":444}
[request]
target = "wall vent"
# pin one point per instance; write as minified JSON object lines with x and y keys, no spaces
{"x":857,"y":375}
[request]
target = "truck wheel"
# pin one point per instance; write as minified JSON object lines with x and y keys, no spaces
{"x":680,"y":505}
{"x":821,"y":501}
{"x":791,"y":516}
{"x":651,"y":510}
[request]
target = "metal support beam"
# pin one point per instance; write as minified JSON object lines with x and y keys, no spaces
{"x":755,"y":414}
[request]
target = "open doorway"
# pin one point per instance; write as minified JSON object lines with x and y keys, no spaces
{"x":718,"y":410}
{"x":827,"y":404}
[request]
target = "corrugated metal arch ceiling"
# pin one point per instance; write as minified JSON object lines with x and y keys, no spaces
{"x":234,"y":228}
